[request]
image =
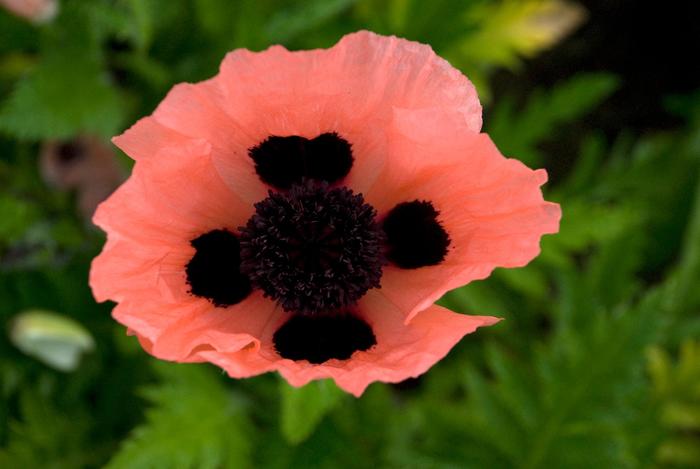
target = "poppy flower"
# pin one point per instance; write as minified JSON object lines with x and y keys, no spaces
{"x":38,"y":11}
{"x":303,"y":211}
{"x":85,"y":164}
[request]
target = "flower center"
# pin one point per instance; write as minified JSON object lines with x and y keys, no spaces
{"x":313,"y":249}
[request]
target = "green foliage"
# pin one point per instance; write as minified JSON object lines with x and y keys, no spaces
{"x":520,"y":130}
{"x":569,"y":403}
{"x":477,"y":36}
{"x":38,"y":107}
{"x":38,"y":224}
{"x":193,"y":422}
{"x":291,"y":22}
{"x":677,"y":399}
{"x":45,"y":437}
{"x":17,"y":215}
{"x":303,"y":408}
{"x":69,"y":90}
{"x":508,"y":30}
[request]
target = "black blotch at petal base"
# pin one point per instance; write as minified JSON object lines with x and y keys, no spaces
{"x":284,"y":161}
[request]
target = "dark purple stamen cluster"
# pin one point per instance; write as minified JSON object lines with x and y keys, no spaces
{"x":314,"y":249}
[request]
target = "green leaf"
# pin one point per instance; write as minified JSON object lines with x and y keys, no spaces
{"x":585,"y":224}
{"x":16,"y":215}
{"x":291,"y":22}
{"x":58,"y":101}
{"x":303,"y":408}
{"x":518,"y":131}
{"x":509,"y":29}
{"x":215,"y":16}
{"x":70,"y":90}
{"x":143,"y":13}
{"x":193,"y":422}
{"x":677,"y":394}
{"x":688,"y":274}
{"x":45,"y":436}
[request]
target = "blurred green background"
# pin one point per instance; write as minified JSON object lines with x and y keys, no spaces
{"x":598,"y":361}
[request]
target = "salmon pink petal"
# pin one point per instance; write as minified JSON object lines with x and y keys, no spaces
{"x":147,"y":345}
{"x":350,"y":89}
{"x":127,"y":268}
{"x":408,"y":351}
{"x":214,"y":331}
{"x":364,"y":76}
{"x":181,"y":331}
{"x":490,"y":207}
{"x":194,"y":113}
{"x":152,"y":219}
{"x":147,"y":319}
{"x":401,"y":351}
{"x":147,"y":137}
{"x":245,"y":363}
{"x":224,"y":330}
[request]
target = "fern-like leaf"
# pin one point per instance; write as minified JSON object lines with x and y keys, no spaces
{"x":518,"y":131}
{"x":194,"y":422}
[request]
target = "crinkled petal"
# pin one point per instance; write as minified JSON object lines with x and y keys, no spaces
{"x":413,"y":123}
{"x":491,"y":207}
{"x":224,"y":330}
{"x":180,"y":330}
{"x":184,"y":330}
{"x":147,"y":345}
{"x":402,"y":351}
{"x":350,"y":89}
{"x":147,"y":137}
{"x":150,"y":221}
{"x":193,"y":112}
{"x":362,"y":78}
